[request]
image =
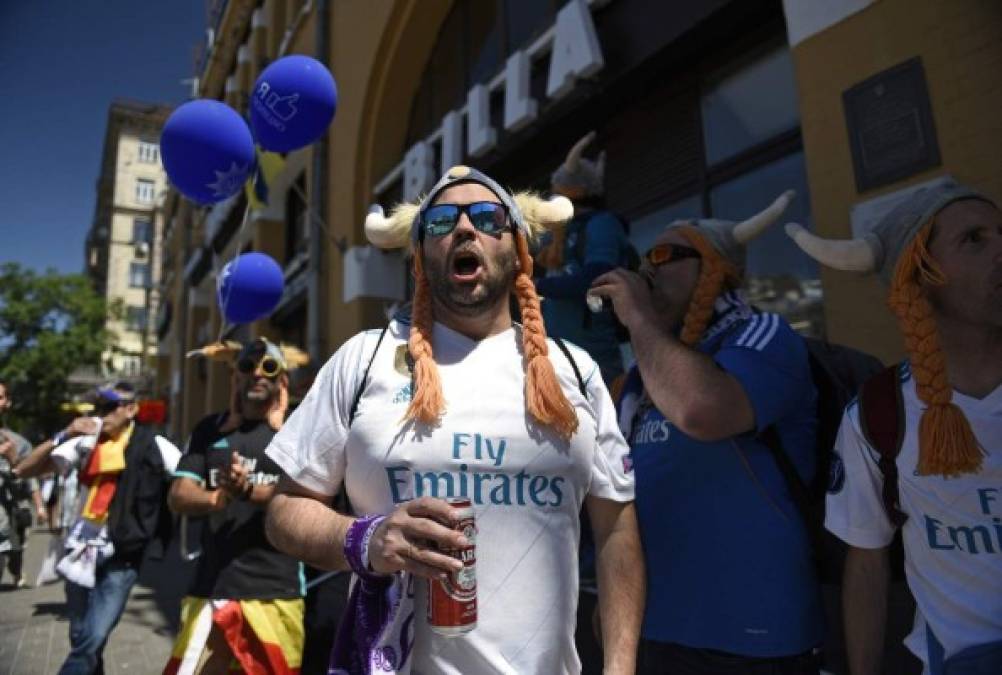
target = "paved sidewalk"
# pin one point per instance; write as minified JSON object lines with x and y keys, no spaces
{"x":34,"y":633}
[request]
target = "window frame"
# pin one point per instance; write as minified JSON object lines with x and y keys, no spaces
{"x":141,"y":190}
{"x":148,"y":152}
{"x":146,"y":279}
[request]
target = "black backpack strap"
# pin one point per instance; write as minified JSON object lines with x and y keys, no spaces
{"x":365,"y":377}
{"x":882,"y":421}
{"x":574,"y":365}
{"x":799,"y":492}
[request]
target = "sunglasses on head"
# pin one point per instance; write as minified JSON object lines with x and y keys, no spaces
{"x":487,"y":217}
{"x":270,"y":366}
{"x":666,"y":253}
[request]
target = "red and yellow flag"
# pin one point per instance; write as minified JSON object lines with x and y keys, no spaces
{"x":263,"y":636}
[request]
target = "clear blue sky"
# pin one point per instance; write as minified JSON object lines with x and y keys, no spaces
{"x":62,"y":62}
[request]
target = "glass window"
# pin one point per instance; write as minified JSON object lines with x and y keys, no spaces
{"x":142,"y":230}
{"x":484,"y":42}
{"x":527,"y":19}
{"x":139,"y":275}
{"x":745,"y":106}
{"x":135,"y":318}
{"x":149,"y":153}
{"x":780,"y":277}
{"x":144,"y":191}
{"x":644,"y":230}
{"x":447,"y":66}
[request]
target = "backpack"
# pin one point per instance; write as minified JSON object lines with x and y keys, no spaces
{"x":840,"y":374}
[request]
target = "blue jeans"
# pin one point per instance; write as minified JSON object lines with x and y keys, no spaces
{"x":93,"y":614}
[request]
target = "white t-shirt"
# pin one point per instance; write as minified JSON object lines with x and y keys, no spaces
{"x":953,"y":535}
{"x":527,"y":486}
{"x":74,"y":452}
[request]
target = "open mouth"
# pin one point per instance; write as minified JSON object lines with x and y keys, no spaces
{"x":466,"y":266}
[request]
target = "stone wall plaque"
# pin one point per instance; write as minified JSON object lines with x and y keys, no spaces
{"x":891,"y":130}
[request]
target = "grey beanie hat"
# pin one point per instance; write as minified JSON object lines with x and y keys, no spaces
{"x":895,"y":231}
{"x":720,"y":235}
{"x":465,"y":174}
{"x":729,"y":238}
{"x":531,"y":214}
{"x":880,"y":249}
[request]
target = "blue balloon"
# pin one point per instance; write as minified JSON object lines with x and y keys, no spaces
{"x":293,"y":103}
{"x":207,"y":150}
{"x":249,"y":287}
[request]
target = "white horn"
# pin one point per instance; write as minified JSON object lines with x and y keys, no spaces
{"x":574,"y":154}
{"x":747,"y":230}
{"x":849,"y":255}
{"x":381,"y":231}
{"x":555,"y":210}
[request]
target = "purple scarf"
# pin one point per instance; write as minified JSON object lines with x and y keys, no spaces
{"x":376,"y":634}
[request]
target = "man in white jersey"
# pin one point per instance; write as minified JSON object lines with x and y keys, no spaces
{"x":941,"y":253}
{"x":462,"y":401}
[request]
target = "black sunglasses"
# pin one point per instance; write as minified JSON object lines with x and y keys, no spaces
{"x":666,"y":253}
{"x":269,"y":366}
{"x":106,"y":407}
{"x":487,"y":217}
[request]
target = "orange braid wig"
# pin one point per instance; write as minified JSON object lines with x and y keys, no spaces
{"x":715,"y":275}
{"x":947,"y":445}
{"x":544,"y":397}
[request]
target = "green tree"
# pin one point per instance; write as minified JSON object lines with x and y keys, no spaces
{"x":50,"y":325}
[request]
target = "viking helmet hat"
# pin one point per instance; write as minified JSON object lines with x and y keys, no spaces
{"x":580,"y":173}
{"x":897,"y":250}
{"x":721,"y":244}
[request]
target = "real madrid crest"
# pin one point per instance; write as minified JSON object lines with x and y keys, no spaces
{"x":403,"y":362}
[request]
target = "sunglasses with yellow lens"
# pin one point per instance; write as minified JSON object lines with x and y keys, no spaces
{"x":270,"y":366}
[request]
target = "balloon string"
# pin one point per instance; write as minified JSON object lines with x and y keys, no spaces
{"x":311,"y":214}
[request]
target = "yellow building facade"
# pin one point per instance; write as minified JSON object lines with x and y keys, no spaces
{"x":123,"y":244}
{"x":703,"y":109}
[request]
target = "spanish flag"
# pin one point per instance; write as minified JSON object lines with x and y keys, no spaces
{"x":100,"y":475}
{"x":269,"y":165}
{"x":261,"y":636}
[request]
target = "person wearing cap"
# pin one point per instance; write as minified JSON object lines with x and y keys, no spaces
{"x":593,"y":242}
{"x":940,"y":252}
{"x":459,"y":400}
{"x":732,"y":587}
{"x":124,"y":469}
{"x":245,"y":607}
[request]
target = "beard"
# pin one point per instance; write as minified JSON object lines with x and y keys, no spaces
{"x":255,"y":396}
{"x":471,"y":299}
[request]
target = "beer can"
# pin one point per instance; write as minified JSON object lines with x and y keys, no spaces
{"x":452,"y":603}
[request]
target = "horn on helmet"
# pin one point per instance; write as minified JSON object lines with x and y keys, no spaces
{"x":574,"y":154}
{"x":748,"y":229}
{"x":850,"y":255}
{"x":392,"y":232}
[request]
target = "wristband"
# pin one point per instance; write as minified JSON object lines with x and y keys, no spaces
{"x":60,"y":437}
{"x":356,"y":545}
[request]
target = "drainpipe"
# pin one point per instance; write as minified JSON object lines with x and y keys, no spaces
{"x":177,"y":398}
{"x":316,"y":295}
